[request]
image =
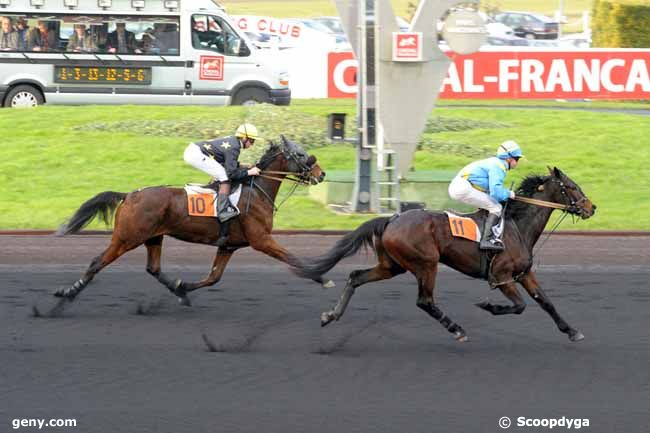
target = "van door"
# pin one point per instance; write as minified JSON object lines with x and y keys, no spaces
{"x":221,"y":59}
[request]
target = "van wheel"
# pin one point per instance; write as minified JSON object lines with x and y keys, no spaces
{"x":24,"y":97}
{"x":250,"y":96}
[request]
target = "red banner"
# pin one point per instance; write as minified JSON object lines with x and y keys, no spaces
{"x":591,"y":74}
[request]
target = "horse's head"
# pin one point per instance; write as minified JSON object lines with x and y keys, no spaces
{"x":301,"y":163}
{"x":559,"y":188}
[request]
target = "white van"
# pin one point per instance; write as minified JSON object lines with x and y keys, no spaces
{"x":131,"y":52}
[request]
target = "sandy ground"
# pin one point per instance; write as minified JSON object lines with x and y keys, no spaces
{"x":385,"y":367}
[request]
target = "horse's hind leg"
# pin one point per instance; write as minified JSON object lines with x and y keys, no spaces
{"x":426,"y":284}
{"x":384,"y":270}
{"x":114,"y":250}
{"x":510,"y":292}
{"x":529,"y":281}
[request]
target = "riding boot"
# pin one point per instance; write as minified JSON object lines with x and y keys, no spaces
{"x":225,"y":211}
{"x":224,"y":230}
{"x":489,"y":241}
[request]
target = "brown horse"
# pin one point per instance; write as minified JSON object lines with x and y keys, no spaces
{"x":147,"y":215}
{"x":418,"y":240}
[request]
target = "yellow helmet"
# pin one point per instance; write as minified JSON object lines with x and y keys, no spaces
{"x":246,"y":130}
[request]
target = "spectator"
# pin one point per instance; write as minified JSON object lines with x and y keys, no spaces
{"x":8,"y":36}
{"x":80,"y":41}
{"x":122,"y":41}
{"x":42,"y":38}
{"x":99,"y":35}
{"x":198,"y":33}
{"x":22,"y":28}
{"x":163,"y":39}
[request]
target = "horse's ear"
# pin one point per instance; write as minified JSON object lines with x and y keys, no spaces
{"x":284,"y":139}
{"x":557,"y":172}
{"x":550,"y":170}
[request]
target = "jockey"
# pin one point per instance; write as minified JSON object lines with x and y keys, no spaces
{"x":219,"y":159}
{"x":480,"y":184}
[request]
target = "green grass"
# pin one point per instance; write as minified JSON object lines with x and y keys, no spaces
{"x":54,"y":158}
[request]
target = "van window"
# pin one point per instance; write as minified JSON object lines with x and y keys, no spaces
{"x":100,"y":34}
{"x":213,"y":33}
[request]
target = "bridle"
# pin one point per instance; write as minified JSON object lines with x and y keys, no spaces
{"x":572,"y":206}
{"x":301,"y":178}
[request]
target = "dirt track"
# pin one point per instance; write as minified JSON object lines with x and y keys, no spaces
{"x":385,"y":367}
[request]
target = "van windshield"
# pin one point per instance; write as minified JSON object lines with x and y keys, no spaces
{"x":99,"y":34}
{"x":213,"y":33}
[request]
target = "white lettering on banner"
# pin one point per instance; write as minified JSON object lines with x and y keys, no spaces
{"x":339,"y":76}
{"x":558,"y":75}
{"x":453,"y":79}
{"x":638,"y":76}
{"x":469,"y":79}
{"x":531,"y":73}
{"x":505,"y":75}
{"x":606,"y":75}
{"x":621,"y":74}
{"x":588,"y":75}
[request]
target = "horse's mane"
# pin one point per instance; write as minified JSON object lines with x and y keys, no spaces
{"x":270,"y":153}
{"x":526,"y":188}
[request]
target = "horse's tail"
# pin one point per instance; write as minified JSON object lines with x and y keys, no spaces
{"x":103,"y":204}
{"x":363,"y":236}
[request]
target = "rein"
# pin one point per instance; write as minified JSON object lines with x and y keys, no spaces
{"x":542,"y":203}
{"x":265,"y":174}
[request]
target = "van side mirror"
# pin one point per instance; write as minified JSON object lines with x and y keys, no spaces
{"x":236,"y":46}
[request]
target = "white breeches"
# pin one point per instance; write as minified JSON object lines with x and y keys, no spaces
{"x":194,"y":157}
{"x":462,"y":190}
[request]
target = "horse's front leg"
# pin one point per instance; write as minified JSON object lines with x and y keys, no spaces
{"x":267,"y":245}
{"x":182,"y":288}
{"x":510,"y":291}
{"x":529,"y":281}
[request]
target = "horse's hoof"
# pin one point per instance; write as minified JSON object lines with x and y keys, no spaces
{"x":184,"y":301}
{"x":576,"y":336}
{"x":461,"y":337}
{"x":326,"y":318}
{"x":329,"y":284}
{"x":483,"y":305}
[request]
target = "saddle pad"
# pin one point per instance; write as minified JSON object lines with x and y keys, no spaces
{"x":203,"y":201}
{"x":462,"y":227}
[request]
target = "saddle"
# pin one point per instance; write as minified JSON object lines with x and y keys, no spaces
{"x":202,"y":201}
{"x":470,"y":226}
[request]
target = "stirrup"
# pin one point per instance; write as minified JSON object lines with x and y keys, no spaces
{"x":222,"y":241}
{"x":492,"y":245}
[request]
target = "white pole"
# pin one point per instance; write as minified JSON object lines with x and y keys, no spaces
{"x":561,"y":14}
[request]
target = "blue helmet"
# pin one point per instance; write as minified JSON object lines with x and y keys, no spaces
{"x":509,"y":149}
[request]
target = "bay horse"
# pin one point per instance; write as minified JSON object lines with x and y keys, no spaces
{"x":145,"y":216}
{"x":418,"y":240}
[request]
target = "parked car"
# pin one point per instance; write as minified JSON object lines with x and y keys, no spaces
{"x":530,"y":25}
{"x":495,"y":28}
{"x":334,"y":24}
{"x":507,"y":41}
{"x":318,"y":26}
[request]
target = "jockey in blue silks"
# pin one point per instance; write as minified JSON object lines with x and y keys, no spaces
{"x":480,"y":184}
